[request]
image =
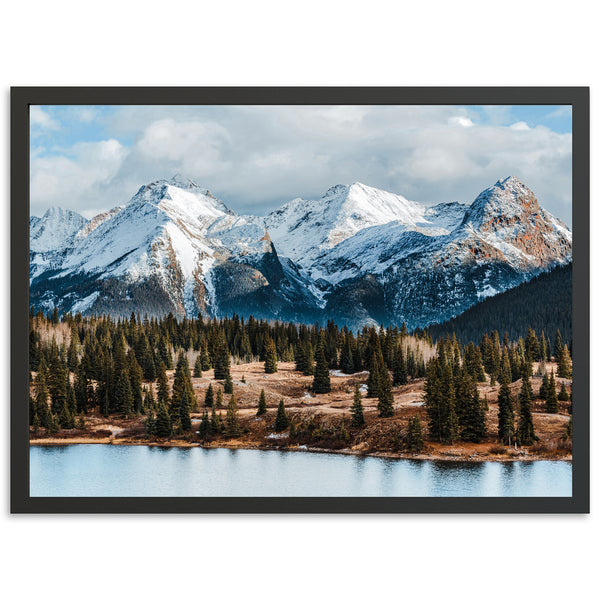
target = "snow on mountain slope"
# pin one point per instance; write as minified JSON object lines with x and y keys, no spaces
{"x":508,"y":217}
{"x":358,"y":255}
{"x":51,"y":231}
{"x":195,"y":250}
{"x":304,"y":230}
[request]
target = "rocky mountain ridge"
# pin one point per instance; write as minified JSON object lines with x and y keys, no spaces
{"x":358,"y":255}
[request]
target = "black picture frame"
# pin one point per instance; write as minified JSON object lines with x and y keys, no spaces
{"x":23,"y":97}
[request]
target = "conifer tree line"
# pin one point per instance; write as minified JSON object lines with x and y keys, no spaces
{"x":107,"y":363}
{"x":454,"y":408}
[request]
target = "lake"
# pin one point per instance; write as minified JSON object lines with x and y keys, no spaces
{"x":105,"y":470}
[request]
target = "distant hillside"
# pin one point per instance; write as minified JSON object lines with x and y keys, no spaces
{"x":544,"y":303}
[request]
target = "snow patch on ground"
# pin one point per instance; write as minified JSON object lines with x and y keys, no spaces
{"x":338,"y":373}
{"x":278,"y":436}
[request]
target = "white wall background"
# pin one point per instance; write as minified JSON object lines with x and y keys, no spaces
{"x":295,"y":43}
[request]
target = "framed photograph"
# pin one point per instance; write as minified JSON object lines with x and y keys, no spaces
{"x":300,"y":300}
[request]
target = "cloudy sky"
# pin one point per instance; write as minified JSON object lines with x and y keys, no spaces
{"x":91,"y":158}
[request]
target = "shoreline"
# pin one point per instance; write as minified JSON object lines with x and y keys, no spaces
{"x":510,"y":456}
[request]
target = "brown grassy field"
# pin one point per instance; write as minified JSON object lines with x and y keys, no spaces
{"x":323,"y":421}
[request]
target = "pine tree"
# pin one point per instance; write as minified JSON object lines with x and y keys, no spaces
{"x":135,"y":380}
{"x":558,"y":345}
{"x":532,"y":346}
{"x":373,"y":380}
{"x":440,"y":402}
{"x":222,"y":360}
{"x":400,"y":374}
{"x":71,"y":401}
{"x":474,"y":363}
{"x":358,"y":416}
{"x":525,"y":435}
{"x":53,"y":424}
{"x":219,"y":400}
{"x":150,"y":424}
{"x":57,"y":383}
{"x":569,"y":431}
{"x":506,"y":415}
{"x":182,"y":384}
{"x":163,"y":425}
{"x":346,"y":358}
{"x":385,"y":405}
{"x":262,"y":404}
{"x":309,"y":360}
{"x":281,"y":420}
{"x":204,"y":429}
{"x":565,"y":367}
{"x":544,"y":386}
{"x":271,"y":357}
{"x":41,"y":395}
{"x":163,"y":395}
{"x":198,"y":367}
{"x":123,"y":395}
{"x":209,"y":396}
{"x":473,"y":426}
{"x":563,"y":395}
{"x":81,"y":386}
{"x":321,"y":381}
{"x":414,"y":435}
{"x":184,"y":410}
{"x":551,"y":398}
{"x":215,"y":426}
{"x":228,"y":385}
{"x":149,"y":403}
{"x":300,"y":358}
{"x":233,"y":426}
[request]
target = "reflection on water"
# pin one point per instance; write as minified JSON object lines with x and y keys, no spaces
{"x":103,"y":470}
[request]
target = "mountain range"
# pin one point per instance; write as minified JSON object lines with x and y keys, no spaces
{"x":358,"y":255}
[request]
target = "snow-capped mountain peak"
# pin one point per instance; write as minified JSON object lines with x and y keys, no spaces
{"x":53,"y":229}
{"x":302,"y":230}
{"x":357,"y":254}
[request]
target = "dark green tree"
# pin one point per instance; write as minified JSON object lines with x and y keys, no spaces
{"x":358,"y":416}
{"x":321,"y":382}
{"x":400,"y":374}
{"x":222,"y":360}
{"x":506,"y":415}
{"x":563,"y":395}
{"x":204,"y":429}
{"x":123,"y":395}
{"x":565,"y":367}
{"x":162,"y":394}
{"x":385,"y":405}
{"x":373,"y":380}
{"x":525,"y":434}
{"x":550,"y":397}
{"x":232,"y":419}
{"x":262,"y":404}
{"x":414,"y":435}
{"x":198,"y":366}
{"x":281,"y":420}
{"x":209,"y":396}
{"x":270,"y":357}
{"x":163,"y":422}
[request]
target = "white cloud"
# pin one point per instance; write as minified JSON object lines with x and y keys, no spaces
{"x":462,"y":121}
{"x":39,"y":119}
{"x":74,"y":181}
{"x":256,"y":158}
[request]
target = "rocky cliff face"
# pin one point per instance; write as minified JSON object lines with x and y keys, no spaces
{"x":358,"y":255}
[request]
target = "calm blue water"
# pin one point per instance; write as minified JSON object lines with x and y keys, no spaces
{"x":101,"y":470}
